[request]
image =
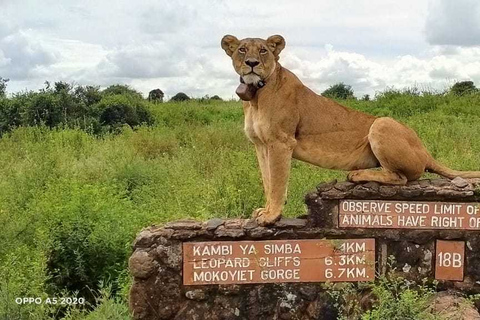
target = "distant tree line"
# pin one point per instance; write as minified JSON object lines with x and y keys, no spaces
{"x":65,"y":105}
{"x":343,"y":91}
{"x":97,"y":111}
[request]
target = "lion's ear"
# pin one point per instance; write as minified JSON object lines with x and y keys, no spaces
{"x":230,"y":44}
{"x":276,"y":43}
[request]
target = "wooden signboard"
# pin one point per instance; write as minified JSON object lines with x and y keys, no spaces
{"x":408,"y":215}
{"x":449,"y":260}
{"x":243,"y":262}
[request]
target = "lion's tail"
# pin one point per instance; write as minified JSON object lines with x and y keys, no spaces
{"x":442,"y":170}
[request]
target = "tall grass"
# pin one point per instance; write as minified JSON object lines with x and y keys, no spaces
{"x":71,"y":203}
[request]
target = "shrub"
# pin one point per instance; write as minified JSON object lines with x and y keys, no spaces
{"x":89,"y":95}
{"x":180,"y":97}
{"x":156,"y":95}
{"x":398,"y":299}
{"x":122,"y":89}
{"x":463,"y":87}
{"x":339,"y":91}
{"x":89,"y":234}
{"x":118,"y":110}
{"x":9,"y":115}
{"x":3,"y":87}
{"x":42,"y":109}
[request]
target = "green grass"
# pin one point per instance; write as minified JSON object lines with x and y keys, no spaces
{"x":71,"y":203}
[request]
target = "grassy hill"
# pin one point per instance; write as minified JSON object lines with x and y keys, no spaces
{"x":72,"y":202}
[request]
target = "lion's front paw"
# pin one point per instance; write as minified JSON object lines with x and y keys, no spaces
{"x":354,"y":176}
{"x":264,"y":217}
{"x":257,"y":212}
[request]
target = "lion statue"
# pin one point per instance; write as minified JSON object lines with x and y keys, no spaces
{"x":285,"y":119}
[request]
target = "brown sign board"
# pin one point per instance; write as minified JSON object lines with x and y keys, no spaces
{"x":449,"y":260}
{"x":408,"y":214}
{"x":278,"y":261}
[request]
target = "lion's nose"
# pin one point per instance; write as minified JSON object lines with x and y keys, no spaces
{"x":251,"y":63}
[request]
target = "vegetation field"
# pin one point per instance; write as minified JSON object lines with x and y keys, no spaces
{"x":72,"y":200}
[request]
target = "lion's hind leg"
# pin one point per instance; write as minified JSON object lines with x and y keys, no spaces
{"x":382,"y":176}
{"x":399,"y":151}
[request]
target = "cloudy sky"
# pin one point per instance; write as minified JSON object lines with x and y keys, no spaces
{"x":175,"y":45}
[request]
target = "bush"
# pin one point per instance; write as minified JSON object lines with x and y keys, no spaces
{"x":156,"y":95}
{"x":180,"y":97}
{"x":463,"y":87}
{"x":3,"y":87}
{"x":390,"y":297}
{"x":122,"y":89}
{"x":9,"y":115}
{"x":43,"y":109}
{"x":89,"y":236}
{"x":88,"y":95}
{"x":339,"y":91}
{"x":118,"y":110}
{"x":67,"y":106}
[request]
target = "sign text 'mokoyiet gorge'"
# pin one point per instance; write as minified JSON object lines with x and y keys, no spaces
{"x":411,"y":215}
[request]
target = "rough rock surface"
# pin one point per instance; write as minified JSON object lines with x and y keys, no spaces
{"x":156,"y":263}
{"x":452,"y":306}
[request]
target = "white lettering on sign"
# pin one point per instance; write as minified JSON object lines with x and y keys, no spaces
{"x":286,"y":248}
{"x":270,"y":262}
{"x":212,"y":250}
{"x":276,"y":261}
{"x":473,"y":209}
{"x":348,"y":247}
{"x":280,"y":274}
{"x":408,"y":214}
{"x":346,"y":272}
{"x":216,"y":276}
{"x":449,"y":259}
{"x":447,"y":222}
{"x":416,"y":208}
{"x":412,"y":221}
{"x":221,"y":263}
{"x":248,"y":249}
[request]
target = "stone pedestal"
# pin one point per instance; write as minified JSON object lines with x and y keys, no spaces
{"x":156,"y":263}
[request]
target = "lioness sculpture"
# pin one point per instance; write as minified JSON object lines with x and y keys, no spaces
{"x":285,"y":119}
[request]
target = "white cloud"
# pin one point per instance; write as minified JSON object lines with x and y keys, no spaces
{"x":453,"y":22}
{"x":22,"y":55}
{"x":435,"y":71}
{"x":175,"y":46}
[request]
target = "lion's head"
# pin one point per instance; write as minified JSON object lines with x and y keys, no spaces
{"x":254,"y":59}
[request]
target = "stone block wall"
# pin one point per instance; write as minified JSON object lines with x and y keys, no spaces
{"x":156,"y":263}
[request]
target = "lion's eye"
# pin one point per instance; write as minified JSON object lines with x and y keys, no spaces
{"x":263,"y":51}
{"x":242,"y":50}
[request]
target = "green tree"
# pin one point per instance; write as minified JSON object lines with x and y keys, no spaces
{"x":180,"y":97}
{"x":62,"y":86}
{"x":89,"y":95}
{"x":156,"y":95}
{"x":339,"y":91}
{"x":463,"y":87}
{"x":117,"y":110}
{"x":122,"y":89}
{"x":3,"y":87}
